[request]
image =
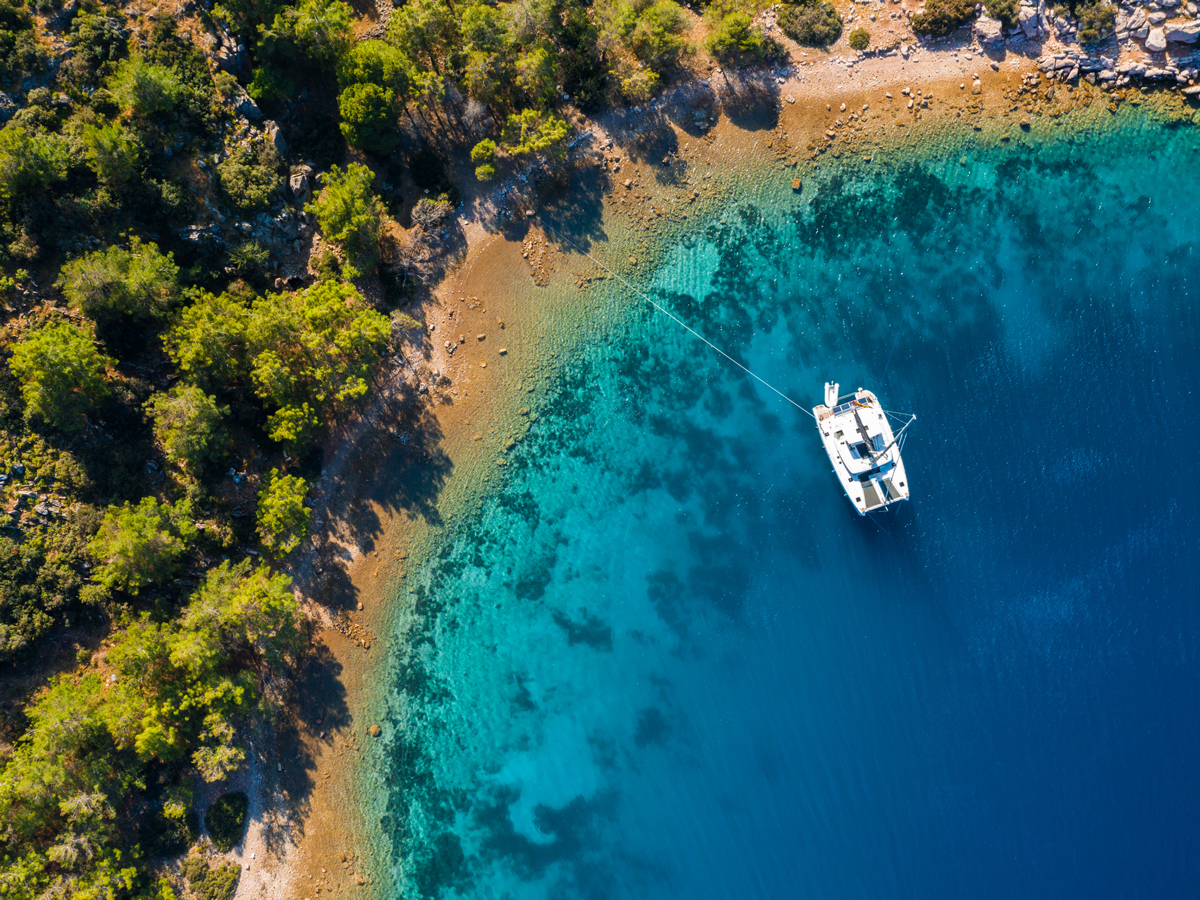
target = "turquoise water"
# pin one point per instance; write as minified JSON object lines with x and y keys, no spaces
{"x":667,"y":659}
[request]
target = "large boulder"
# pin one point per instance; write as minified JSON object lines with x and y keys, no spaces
{"x":988,"y":31}
{"x":1156,"y":40}
{"x":1183,"y":32}
{"x":1028,"y":17}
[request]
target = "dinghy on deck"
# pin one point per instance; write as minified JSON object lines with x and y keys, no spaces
{"x":865,"y":453}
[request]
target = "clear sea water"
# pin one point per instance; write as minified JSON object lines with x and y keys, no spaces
{"x":667,"y":660}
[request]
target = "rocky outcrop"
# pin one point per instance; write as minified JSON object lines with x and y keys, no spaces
{"x":1183,"y":32}
{"x":989,"y":32}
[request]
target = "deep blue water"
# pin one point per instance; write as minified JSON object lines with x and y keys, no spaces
{"x":668,"y":660}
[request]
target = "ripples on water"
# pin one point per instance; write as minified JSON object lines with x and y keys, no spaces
{"x":667,"y":660}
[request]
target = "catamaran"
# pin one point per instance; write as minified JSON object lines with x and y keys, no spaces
{"x":865,"y":454}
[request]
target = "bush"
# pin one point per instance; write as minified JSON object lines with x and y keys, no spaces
{"x":31,"y":161}
{"x":314,"y":34}
{"x":1096,"y":21}
{"x":138,"y":282}
{"x":139,"y":545}
{"x":429,"y":214}
{"x":282,"y":516}
{"x":186,"y":423}
{"x":145,"y":90}
{"x":112,"y":152}
{"x":97,"y":43}
{"x":369,"y":117}
{"x":350,"y":214}
{"x":736,"y":40}
{"x":250,"y":176}
{"x":813,"y":24}
{"x":61,"y":374}
{"x":486,"y":172}
{"x":226,"y":820}
{"x":654,"y":33}
{"x":859,"y":39}
{"x":640,"y":86}
{"x":211,"y":884}
{"x":940,"y":17}
{"x":1005,"y":11}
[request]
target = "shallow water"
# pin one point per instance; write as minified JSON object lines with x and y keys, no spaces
{"x":668,"y":660}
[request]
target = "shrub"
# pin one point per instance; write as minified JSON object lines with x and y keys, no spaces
{"x":484,"y":152}
{"x":1096,"y":21}
{"x":249,"y":258}
{"x":486,"y":172}
{"x":350,"y":214}
{"x":940,"y":17}
{"x":369,"y":117}
{"x":282,"y":516}
{"x":735,"y":39}
{"x":186,"y":424}
{"x":145,"y":90}
{"x":640,"y":86}
{"x":61,"y":374}
{"x":225,"y":820}
{"x":31,"y":161}
{"x":859,"y":39}
{"x":429,"y":214}
{"x":97,"y":43}
{"x":211,"y":884}
{"x":112,"y":152}
{"x":139,"y":545}
{"x":250,"y":176}
{"x":139,"y":282}
{"x":537,"y":75}
{"x":813,"y":24}
{"x":1006,"y":11}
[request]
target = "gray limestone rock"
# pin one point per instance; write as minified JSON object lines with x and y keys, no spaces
{"x":1183,"y":32}
{"x":989,"y":32}
{"x":1156,"y":40}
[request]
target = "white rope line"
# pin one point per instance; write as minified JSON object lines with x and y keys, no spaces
{"x":675,"y":319}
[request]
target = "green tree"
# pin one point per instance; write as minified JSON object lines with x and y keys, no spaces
{"x":61,"y":373}
{"x":112,"y":152}
{"x":187,"y":424}
{"x":532,"y":131}
{"x":282,"y":516}
{"x":139,"y":281}
{"x":1006,"y":11}
{"x":314,"y":33}
{"x":859,"y":39}
{"x":735,"y":39}
{"x":378,"y":63}
{"x":139,"y":545}
{"x":425,"y":31}
{"x":208,"y":340}
{"x":349,"y":213}
{"x":145,"y":90}
{"x":312,"y":353}
{"x":31,"y":161}
{"x":482,"y":29}
{"x":537,"y":75}
{"x":369,"y":117}
{"x":251,"y":175}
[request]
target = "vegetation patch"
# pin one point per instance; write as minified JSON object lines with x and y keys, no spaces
{"x":225,"y":820}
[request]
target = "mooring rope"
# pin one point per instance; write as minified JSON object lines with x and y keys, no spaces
{"x":674,"y":318}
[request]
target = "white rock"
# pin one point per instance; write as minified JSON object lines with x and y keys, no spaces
{"x":989,"y":32}
{"x":1183,"y":32}
{"x":1156,"y":41}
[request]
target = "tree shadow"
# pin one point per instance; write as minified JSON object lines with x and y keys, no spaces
{"x":752,"y":102}
{"x":570,"y":208}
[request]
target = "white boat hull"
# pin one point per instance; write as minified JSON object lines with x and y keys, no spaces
{"x":863,"y":449}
